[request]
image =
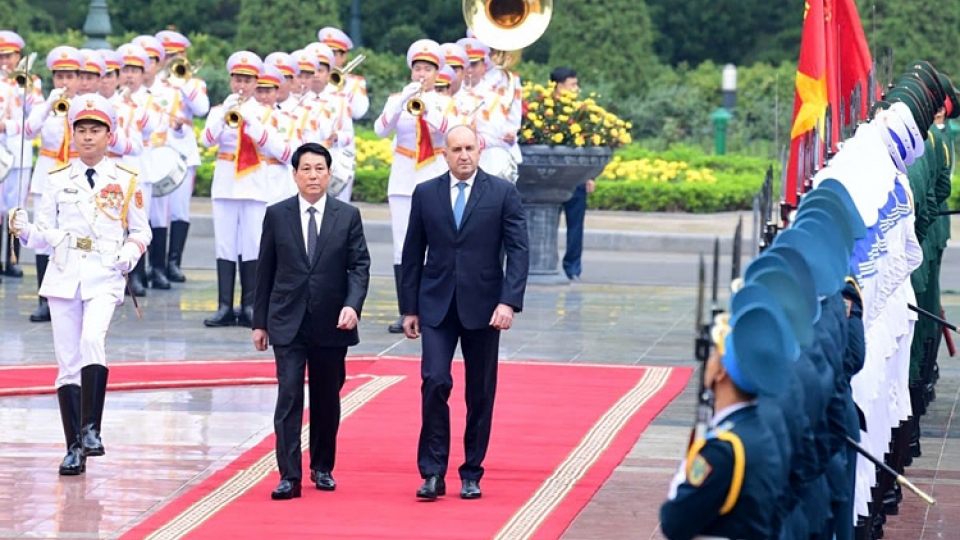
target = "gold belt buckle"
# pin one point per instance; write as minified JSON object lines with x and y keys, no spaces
{"x":85,"y":244}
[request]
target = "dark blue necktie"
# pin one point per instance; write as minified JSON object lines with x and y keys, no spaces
{"x":90,"y":173}
{"x":312,"y":234}
{"x":460,"y":203}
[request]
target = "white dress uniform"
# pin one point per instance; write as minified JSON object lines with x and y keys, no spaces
{"x":191,"y":101}
{"x":494,"y":105}
{"x":280,"y":183}
{"x":15,"y":105}
{"x":414,"y":163}
{"x":88,"y":229}
{"x":354,"y":86}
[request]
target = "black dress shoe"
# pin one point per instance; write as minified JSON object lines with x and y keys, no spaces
{"x":396,"y":327}
{"x":74,"y":462}
{"x":432,"y":487}
{"x":470,"y":489}
{"x":42,"y":313}
{"x":323,"y":480}
{"x":286,"y":490}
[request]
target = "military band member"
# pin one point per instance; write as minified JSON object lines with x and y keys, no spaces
{"x":239,"y":190}
{"x":444,"y":77}
{"x":16,"y":105}
{"x":55,"y":149}
{"x":136,"y":64}
{"x":495,"y":102}
{"x":190,"y":101}
{"x":418,"y":141}
{"x":280,"y":184}
{"x":725,"y":486}
{"x":330,"y":116}
{"x":354,"y":86}
{"x":91,"y":217}
{"x":456,"y":58}
{"x":287,"y":99}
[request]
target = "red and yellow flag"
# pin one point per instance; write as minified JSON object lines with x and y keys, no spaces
{"x":425,"y":151}
{"x":247,"y":159}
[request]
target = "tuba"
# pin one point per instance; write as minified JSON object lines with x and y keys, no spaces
{"x":180,"y":69}
{"x":507,"y":26}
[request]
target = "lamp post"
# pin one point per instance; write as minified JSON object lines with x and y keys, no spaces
{"x":97,"y":25}
{"x":355,"y":34}
{"x":721,"y":117}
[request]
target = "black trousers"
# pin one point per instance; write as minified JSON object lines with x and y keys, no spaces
{"x":327,"y":375}
{"x":480,"y":353}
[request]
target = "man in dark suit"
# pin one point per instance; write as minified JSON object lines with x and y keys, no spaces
{"x":311,"y":283}
{"x":461,"y":221}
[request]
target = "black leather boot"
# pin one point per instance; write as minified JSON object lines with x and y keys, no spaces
{"x":74,"y":462}
{"x":93,"y":385}
{"x":138,"y":279}
{"x":397,"y":326}
{"x":42,"y":313}
{"x":226,"y":277}
{"x":11,"y":268}
{"x":248,"y":289}
{"x":178,"y":239}
{"x":158,"y":259}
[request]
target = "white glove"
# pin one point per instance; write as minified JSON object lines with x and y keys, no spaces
{"x":55,"y":94}
{"x":254,"y":128}
{"x":19,"y":221}
{"x":231,"y":102}
{"x":188,"y":88}
{"x":127,"y":257}
{"x":409,"y":91}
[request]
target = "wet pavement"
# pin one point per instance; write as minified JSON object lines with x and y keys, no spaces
{"x":631,"y":309}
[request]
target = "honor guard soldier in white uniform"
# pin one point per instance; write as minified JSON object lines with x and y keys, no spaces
{"x":189,"y":101}
{"x":17,"y":103}
{"x":239,"y":191}
{"x":136,"y":64}
{"x":49,"y":121}
{"x":280,"y":183}
{"x":331,"y":108}
{"x":126,"y":111}
{"x":287,"y":100}
{"x":91,"y":218}
{"x":93,"y":68}
{"x":444,"y":77}
{"x":417,"y":119}
{"x":354,"y":86}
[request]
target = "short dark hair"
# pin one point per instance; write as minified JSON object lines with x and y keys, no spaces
{"x":561,"y":74}
{"x":310,"y":148}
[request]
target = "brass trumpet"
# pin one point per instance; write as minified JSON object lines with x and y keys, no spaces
{"x":233,"y":118}
{"x":339,"y":76}
{"x":181,"y":69}
{"x":415,"y":106}
{"x":61,"y":106}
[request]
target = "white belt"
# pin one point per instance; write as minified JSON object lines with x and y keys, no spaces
{"x":86,"y":244}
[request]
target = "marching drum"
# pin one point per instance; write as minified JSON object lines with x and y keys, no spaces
{"x":342,"y":170}
{"x":498,"y":162}
{"x":168,"y":169}
{"x":6,"y":163}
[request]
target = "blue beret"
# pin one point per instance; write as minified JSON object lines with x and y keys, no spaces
{"x":801,"y":272}
{"x":791,"y":300}
{"x":755,"y":352}
{"x":834,"y":186}
{"x":754,"y":293}
{"x":818,"y":256}
{"x":834,"y":209}
{"x":823,"y":230}
{"x":836,"y":233}
{"x":764,"y":262}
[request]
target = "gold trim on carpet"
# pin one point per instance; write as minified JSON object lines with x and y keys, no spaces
{"x":244,"y":480}
{"x":558,"y":485}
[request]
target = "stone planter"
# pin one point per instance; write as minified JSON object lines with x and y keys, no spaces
{"x":547,"y":178}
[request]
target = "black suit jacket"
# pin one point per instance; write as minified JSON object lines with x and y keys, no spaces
{"x":287,"y":283}
{"x":465,"y":262}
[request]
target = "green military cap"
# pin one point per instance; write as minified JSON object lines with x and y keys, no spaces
{"x":951,"y":104}
{"x":923,"y":98}
{"x":921,"y":113}
{"x":930,"y":77}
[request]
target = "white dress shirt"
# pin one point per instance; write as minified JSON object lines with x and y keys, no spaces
{"x":305,"y":216}
{"x":455,"y":191}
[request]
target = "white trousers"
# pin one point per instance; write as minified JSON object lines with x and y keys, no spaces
{"x":80,"y":334}
{"x":11,"y":189}
{"x":180,"y":198}
{"x":237,"y":225}
{"x":399,"y":219}
{"x":160,"y":211}
{"x":37,"y":199}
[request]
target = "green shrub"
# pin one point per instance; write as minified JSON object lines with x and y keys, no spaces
{"x":371,"y":186}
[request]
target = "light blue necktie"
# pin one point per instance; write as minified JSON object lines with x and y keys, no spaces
{"x":460,"y":203}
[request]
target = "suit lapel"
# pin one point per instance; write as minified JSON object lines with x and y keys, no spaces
{"x":479,"y":187}
{"x":79,"y":178}
{"x":446,"y":204}
{"x":327,"y":224}
{"x":296,"y":226}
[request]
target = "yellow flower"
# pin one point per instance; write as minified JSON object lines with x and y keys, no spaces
{"x":597,"y":140}
{"x":533,"y":106}
{"x":575,"y":128}
{"x":562,"y":118}
{"x":548,"y":102}
{"x":568,"y":109}
{"x":558,"y":138}
{"x":579,"y":140}
{"x":528,"y":134}
{"x":538,"y":124}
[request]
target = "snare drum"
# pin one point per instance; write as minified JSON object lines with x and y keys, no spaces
{"x":6,"y":163}
{"x":167,"y":170}
{"x":498,"y":162}
{"x":342,"y":170}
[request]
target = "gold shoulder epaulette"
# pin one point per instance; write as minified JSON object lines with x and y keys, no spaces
{"x":128,"y":169}
{"x":63,"y":167}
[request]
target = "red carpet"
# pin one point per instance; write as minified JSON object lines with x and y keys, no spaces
{"x":24,"y":380}
{"x":558,"y":433}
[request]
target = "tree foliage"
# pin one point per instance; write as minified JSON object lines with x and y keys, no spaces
{"x":914,"y":31}
{"x":265,"y":26}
